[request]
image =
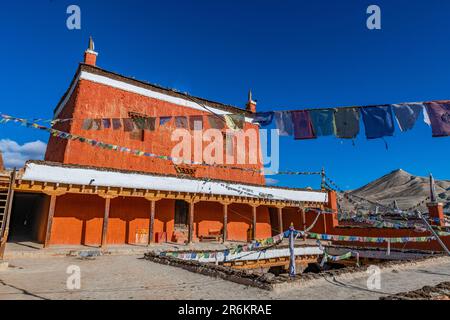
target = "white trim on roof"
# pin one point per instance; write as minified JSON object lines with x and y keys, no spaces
{"x":100,"y":178}
{"x":63,"y":103}
{"x":138,"y":90}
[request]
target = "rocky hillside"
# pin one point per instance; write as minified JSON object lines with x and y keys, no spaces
{"x":404,"y":188}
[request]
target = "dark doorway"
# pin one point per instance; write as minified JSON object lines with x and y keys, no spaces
{"x":181,"y":214}
{"x":26,"y":217}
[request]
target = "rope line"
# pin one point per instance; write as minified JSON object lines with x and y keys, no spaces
{"x":68,"y":136}
{"x":402,"y":104}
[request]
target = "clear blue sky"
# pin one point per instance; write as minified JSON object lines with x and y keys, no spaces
{"x":293,"y":55}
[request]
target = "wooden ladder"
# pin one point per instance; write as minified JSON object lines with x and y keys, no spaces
{"x":6,"y":197}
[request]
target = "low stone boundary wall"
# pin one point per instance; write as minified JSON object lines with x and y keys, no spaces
{"x":282,"y":282}
{"x":217,"y":271}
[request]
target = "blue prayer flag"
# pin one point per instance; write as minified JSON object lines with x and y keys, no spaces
{"x":263,"y":118}
{"x":378,"y":121}
{"x":283,"y":121}
{"x":323,"y":122}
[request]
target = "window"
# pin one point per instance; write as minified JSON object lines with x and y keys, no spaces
{"x":185,"y":171}
{"x":228,"y":140}
{"x":141,"y":122}
{"x":137,"y":134}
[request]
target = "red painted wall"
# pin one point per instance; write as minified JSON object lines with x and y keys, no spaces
{"x":328,"y":224}
{"x":126,"y":217}
{"x":208,"y":216}
{"x":92,"y":100}
{"x":56,"y":147}
{"x":164,"y":217}
{"x":240,"y":220}
{"x":78,"y":219}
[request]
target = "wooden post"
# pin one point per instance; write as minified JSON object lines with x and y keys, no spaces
{"x":152,"y":222}
{"x":105,"y":221}
{"x":304,"y":223}
{"x":280,"y":219}
{"x":292,"y":269}
{"x":254,"y":222}
{"x":225,"y":222}
{"x":322,"y":184}
{"x":51,"y":213}
{"x":191,"y":221}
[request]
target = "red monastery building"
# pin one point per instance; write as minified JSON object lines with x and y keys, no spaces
{"x":98,"y":190}
{"x":96,"y":93}
{"x":83,"y":194}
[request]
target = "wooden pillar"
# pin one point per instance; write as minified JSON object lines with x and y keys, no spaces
{"x":106,"y":218}
{"x":280,"y":219}
{"x":304,"y":223}
{"x":151,"y":225}
{"x":191,"y":220}
{"x":303,"y":219}
{"x":225,"y":222}
{"x":51,"y":213}
{"x":254,"y":221}
{"x":105,"y":221}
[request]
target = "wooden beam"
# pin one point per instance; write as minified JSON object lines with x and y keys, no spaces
{"x":51,"y":213}
{"x":48,"y":187}
{"x":105,"y":221}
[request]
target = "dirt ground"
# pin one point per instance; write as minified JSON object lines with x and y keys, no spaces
{"x":439,"y":292}
{"x":131,"y":277}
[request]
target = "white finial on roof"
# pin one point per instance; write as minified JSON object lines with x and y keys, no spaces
{"x":90,"y":56}
{"x":91,"y":46}
{"x":251,"y":104}
{"x":432,"y":189}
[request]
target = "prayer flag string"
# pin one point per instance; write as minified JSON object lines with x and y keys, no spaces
{"x":108,"y":146}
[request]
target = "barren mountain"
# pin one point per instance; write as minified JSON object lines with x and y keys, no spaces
{"x":406,"y":189}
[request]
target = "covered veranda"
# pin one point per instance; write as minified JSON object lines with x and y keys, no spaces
{"x":97,"y":207}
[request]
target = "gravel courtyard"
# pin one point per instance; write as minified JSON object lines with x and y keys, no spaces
{"x":131,"y":277}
